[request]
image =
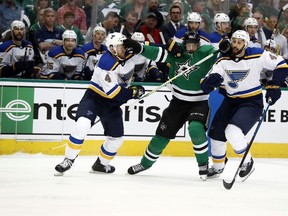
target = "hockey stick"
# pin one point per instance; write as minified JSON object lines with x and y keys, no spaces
{"x":228,"y":185}
{"x":173,"y":78}
{"x":285,"y":7}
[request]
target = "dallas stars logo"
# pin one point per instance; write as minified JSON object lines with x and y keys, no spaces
{"x":186,"y":69}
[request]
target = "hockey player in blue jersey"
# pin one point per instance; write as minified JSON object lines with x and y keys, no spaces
{"x":237,"y":73}
{"x":222,"y":25}
{"x":17,"y":55}
{"x":193,"y":24}
{"x":93,"y":51}
{"x":109,"y":88}
{"x":67,"y":61}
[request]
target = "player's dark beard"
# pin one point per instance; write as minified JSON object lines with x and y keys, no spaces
{"x":236,"y":52}
{"x":17,"y":37}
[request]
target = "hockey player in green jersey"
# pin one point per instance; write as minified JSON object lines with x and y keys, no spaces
{"x":189,"y":103}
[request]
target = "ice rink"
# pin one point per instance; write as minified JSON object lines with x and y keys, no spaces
{"x":170,"y":188}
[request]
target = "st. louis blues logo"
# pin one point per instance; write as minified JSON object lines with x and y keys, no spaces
{"x":236,"y":76}
{"x":187,"y":68}
{"x":125,"y":78}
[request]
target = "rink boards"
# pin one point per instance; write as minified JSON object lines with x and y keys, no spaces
{"x":38,"y":116}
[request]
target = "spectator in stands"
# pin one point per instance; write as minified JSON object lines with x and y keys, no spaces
{"x":238,"y":22}
{"x":16,"y":55}
{"x":33,"y":12}
{"x":266,"y":8}
{"x":9,"y":11}
{"x":109,"y":23}
{"x":214,"y":7}
{"x":152,"y":8}
{"x":87,"y":7}
{"x":263,"y":33}
{"x":284,"y":22}
{"x":140,"y":6}
{"x":279,"y":38}
{"x":48,"y":35}
{"x":151,"y":33}
{"x":69,"y":18}
{"x":40,"y":20}
{"x":93,"y":51}
{"x":80,"y":16}
{"x":129,"y":25}
{"x":169,"y":29}
{"x":67,"y":61}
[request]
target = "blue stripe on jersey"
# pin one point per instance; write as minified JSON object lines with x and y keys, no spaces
{"x":247,"y":93}
{"x":75,"y":141}
{"x":240,"y":151}
{"x":219,"y":157}
{"x":282,"y":64}
{"x":99,"y":90}
{"x":250,"y":51}
{"x":107,"y":153}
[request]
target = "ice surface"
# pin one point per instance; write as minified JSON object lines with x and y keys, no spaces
{"x":171,"y":187}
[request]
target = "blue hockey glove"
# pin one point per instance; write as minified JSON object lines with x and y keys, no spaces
{"x":174,"y":48}
{"x":211,"y":82}
{"x":138,"y":91}
{"x":132,"y":46}
{"x":225,"y":45}
{"x":273,"y":92}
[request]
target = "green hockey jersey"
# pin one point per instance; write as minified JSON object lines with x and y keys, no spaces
{"x":186,"y":87}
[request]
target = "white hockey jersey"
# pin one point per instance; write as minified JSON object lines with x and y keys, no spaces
{"x":241,"y":76}
{"x":59,"y":61}
{"x":110,"y":75}
{"x":11,"y":53}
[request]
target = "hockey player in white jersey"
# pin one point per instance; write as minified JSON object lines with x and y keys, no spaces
{"x":109,"y":88}
{"x":237,"y":73}
{"x":145,"y":69}
{"x":17,"y":55}
{"x":251,"y":26}
{"x":93,"y":51}
{"x":222,"y":25}
{"x":67,"y":61}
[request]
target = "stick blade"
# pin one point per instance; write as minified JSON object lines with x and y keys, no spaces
{"x":228,"y":185}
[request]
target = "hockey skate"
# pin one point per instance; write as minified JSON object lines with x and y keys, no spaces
{"x":63,"y":167}
{"x":246,"y":170}
{"x":98,"y":167}
{"x":215,"y":173}
{"x":203,"y":171}
{"x":136,"y":169}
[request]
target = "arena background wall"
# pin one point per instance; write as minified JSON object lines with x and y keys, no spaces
{"x":37,"y":117}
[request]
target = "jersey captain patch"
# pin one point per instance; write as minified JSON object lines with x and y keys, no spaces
{"x":236,"y":76}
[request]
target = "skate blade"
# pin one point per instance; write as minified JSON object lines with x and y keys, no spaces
{"x":244,"y":178}
{"x":58,"y":173}
{"x":214,"y":176}
{"x":203,"y":177}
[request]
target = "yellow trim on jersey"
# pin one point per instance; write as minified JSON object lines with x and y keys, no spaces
{"x":222,"y":58}
{"x":250,"y":94}
{"x":284,"y":65}
{"x":59,"y":55}
{"x":204,"y":38}
{"x":79,"y":55}
{"x":75,"y":146}
{"x":218,"y":160}
{"x":253,"y":56}
{"x":106,"y":156}
{"x":103,"y":94}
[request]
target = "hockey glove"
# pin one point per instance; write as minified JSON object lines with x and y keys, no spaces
{"x":29,"y":71}
{"x":132,"y":46}
{"x":138,"y":91}
{"x":87,"y":73}
{"x":174,"y":48}
{"x":19,"y":66}
{"x":57,"y":75}
{"x":273,"y":92}
{"x":224,"y":45}
{"x":211,"y":82}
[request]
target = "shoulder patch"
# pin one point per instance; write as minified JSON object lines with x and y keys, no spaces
{"x":107,"y":62}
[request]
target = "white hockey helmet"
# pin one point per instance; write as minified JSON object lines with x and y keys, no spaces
{"x":138,"y":36}
{"x":221,"y":17}
{"x":18,"y":24}
{"x":250,"y":22}
{"x":271,"y":44}
{"x":241,"y":34}
{"x":69,"y":34}
{"x":114,"y":39}
{"x":194,"y":17}
{"x":98,"y":28}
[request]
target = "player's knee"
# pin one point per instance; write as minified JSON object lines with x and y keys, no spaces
{"x":81,"y":128}
{"x":235,"y":136}
{"x":112,"y":144}
{"x":197,"y":132}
